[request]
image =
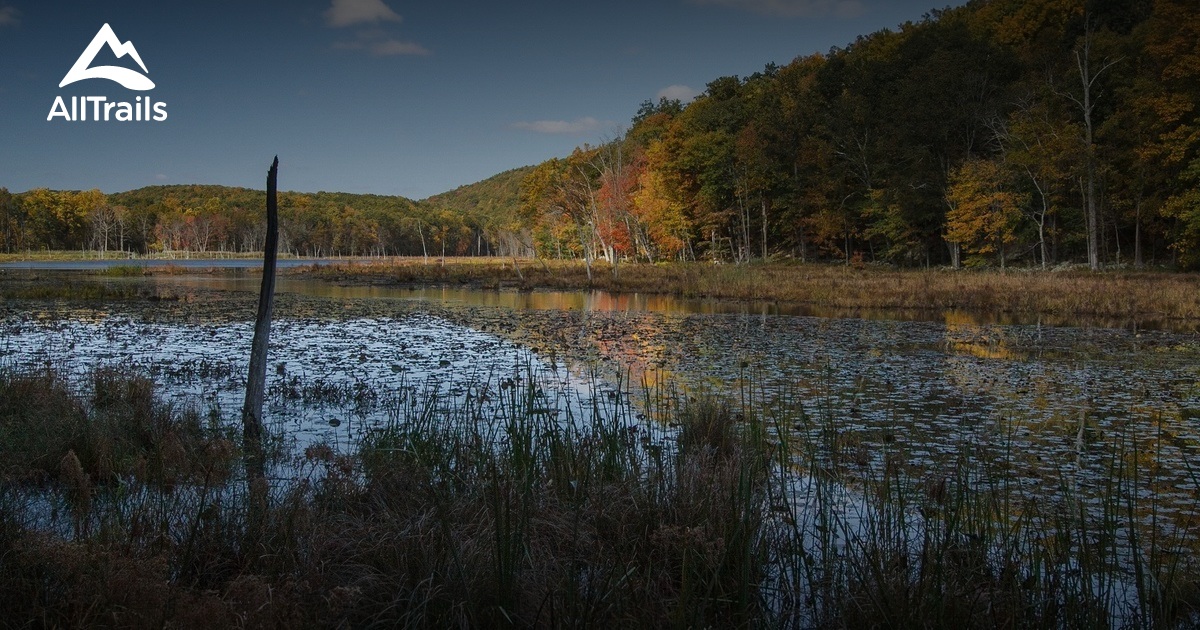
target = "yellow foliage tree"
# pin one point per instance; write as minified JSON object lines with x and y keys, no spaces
{"x":984,"y":212}
{"x":664,"y":216}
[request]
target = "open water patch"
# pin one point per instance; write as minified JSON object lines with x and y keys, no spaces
{"x":328,"y":380}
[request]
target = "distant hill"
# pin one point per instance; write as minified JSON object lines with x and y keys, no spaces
{"x":197,"y":195}
{"x":496,"y":198}
{"x":474,"y":219}
{"x":317,"y":224}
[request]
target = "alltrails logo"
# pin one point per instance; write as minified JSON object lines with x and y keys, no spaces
{"x":99,"y":107}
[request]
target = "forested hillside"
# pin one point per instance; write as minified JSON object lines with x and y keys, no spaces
{"x":1030,"y":132}
{"x":494,"y":204}
{"x":1005,"y":131}
{"x":220,"y":218}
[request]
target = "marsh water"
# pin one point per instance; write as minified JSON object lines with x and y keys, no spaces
{"x":1057,"y":402}
{"x":178,"y":263}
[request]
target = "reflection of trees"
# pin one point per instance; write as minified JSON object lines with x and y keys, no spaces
{"x":966,"y":334}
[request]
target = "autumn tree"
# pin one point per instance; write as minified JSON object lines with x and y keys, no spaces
{"x":657,"y":206}
{"x":1090,"y":69}
{"x":12,"y":222}
{"x":559,"y":199}
{"x":1037,"y":145}
{"x":984,"y":210}
{"x":1170,"y":98}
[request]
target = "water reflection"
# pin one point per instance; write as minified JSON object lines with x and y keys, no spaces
{"x":966,"y":334}
{"x":603,"y":301}
{"x":1062,"y":401}
{"x":328,"y":380}
{"x":521,"y":300}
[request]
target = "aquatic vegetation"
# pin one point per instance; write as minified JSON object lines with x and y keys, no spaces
{"x":443,"y":465}
{"x":114,"y":430}
{"x":124,"y":271}
{"x":706,"y":514}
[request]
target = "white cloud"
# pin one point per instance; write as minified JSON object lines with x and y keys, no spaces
{"x":349,"y":12}
{"x":384,"y":48}
{"x":373,"y":39}
{"x":792,"y":8}
{"x":396,"y":47}
{"x":8,"y":16}
{"x":579,"y":125}
{"x":160,"y":177}
{"x":680,"y":93}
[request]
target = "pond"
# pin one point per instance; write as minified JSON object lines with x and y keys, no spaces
{"x":1050,"y":404}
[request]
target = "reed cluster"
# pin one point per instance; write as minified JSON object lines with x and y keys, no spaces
{"x":118,"y":510}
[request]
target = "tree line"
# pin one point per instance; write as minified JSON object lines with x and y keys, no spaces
{"x":1004,"y":131}
{"x":164,"y":219}
{"x":1032,"y":132}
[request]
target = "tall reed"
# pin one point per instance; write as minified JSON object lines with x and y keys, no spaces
{"x":712,"y":512}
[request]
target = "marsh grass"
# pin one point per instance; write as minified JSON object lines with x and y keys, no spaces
{"x":123,"y":271}
{"x":715,"y":513}
{"x":117,"y":428}
{"x":67,"y":286}
{"x":1116,"y":295}
{"x":878,"y":542}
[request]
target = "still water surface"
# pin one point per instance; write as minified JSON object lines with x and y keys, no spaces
{"x":1059,"y":401}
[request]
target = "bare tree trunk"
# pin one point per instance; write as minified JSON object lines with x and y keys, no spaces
{"x":763,"y":203}
{"x":1042,"y":239}
{"x":743,"y":253}
{"x":1041,"y":217}
{"x":252,"y":426}
{"x":1093,"y":230}
{"x":424,"y":251}
{"x":587,"y":256}
{"x":1087,"y":104}
{"x":1137,"y":234}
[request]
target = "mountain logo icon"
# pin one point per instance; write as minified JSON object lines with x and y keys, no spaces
{"x":130,"y":79}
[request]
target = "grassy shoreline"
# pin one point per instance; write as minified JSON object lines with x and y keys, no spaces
{"x":1132,"y":295}
{"x":1061,"y":295}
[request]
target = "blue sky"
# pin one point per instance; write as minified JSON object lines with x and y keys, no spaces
{"x":378,"y":96}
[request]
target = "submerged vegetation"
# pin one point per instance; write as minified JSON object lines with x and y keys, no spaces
{"x":710,"y":512}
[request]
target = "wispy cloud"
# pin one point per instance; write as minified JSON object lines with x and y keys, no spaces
{"x":792,"y":8}
{"x":373,"y":39}
{"x":9,"y":16}
{"x":393,"y":47}
{"x":161,"y":177}
{"x":350,"y":12}
{"x":384,"y":47}
{"x":579,"y":125}
{"x":677,"y":93}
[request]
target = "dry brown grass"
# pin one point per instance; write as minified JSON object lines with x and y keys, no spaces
{"x":429,"y":527}
{"x":1123,"y":295}
{"x":116,"y":429}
